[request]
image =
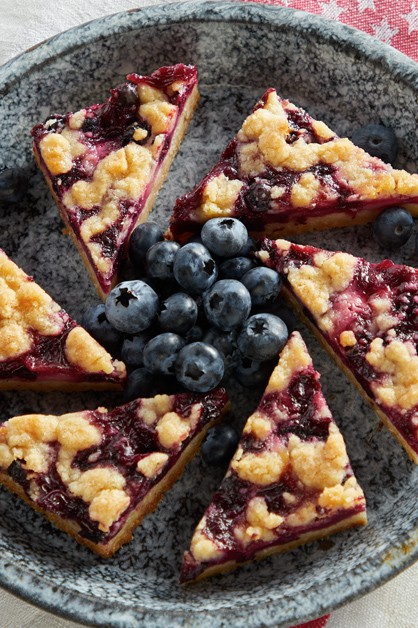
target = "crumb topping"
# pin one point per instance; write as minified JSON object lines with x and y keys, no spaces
{"x":202,"y":548}
{"x":398,"y":361}
{"x":219,"y":196}
{"x":341,"y":495}
{"x":151,"y":409}
{"x":258,"y":425}
{"x":24,"y":306}
{"x":160,"y":116}
{"x":83,"y":351}
{"x":315,"y":285}
{"x":262,"y":468}
{"x":319,"y":464}
{"x":293,"y":358}
{"x":153,"y":464}
{"x":172,"y":429}
{"x":347,"y":339}
{"x":58,"y":150}
{"x":76,"y":120}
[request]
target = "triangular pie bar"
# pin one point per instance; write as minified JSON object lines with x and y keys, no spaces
{"x":285,"y":173}
{"x":105,"y":164}
{"x":365,"y":315}
{"x":95,"y":474}
{"x":41,"y":346}
{"x":289,"y":482}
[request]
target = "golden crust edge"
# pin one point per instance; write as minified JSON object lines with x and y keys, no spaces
{"x":334,"y":220}
{"x":358,"y":519}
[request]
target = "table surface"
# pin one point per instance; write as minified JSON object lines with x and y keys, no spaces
{"x":27,"y":22}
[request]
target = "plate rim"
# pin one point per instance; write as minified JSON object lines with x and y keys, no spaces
{"x":50,"y":597}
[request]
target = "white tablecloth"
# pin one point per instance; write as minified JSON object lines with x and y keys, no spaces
{"x":24,"y":23}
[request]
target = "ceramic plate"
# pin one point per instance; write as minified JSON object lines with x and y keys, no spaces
{"x":341,"y":76}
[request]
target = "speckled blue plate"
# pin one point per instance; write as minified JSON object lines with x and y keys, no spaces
{"x":342,"y":76}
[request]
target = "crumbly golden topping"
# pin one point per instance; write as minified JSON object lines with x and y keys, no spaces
{"x":262,"y":144}
{"x":398,"y":363}
{"x":269,"y":126}
{"x":293,"y":358}
{"x":258,"y":425}
{"x":347,"y":339}
{"x":315,"y":285}
{"x":24,"y":306}
{"x":319,"y":464}
{"x":151,"y":409}
{"x":341,"y":495}
{"x":202,"y":548}
{"x":58,"y":150}
{"x":172,"y":429}
{"x":219,"y":196}
{"x":30,"y":438}
{"x":262,"y":468}
{"x":153,"y":464}
{"x":83,"y":351}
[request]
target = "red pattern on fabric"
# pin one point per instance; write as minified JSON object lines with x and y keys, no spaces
{"x":395,"y":23}
{"x":316,"y":623}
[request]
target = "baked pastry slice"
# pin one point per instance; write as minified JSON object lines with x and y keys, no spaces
{"x":41,"y":346}
{"x":285,"y":173}
{"x":105,"y":164}
{"x":365,"y":315}
{"x":96,"y":474}
{"x":289,"y":482}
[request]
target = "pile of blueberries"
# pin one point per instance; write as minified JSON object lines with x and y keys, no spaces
{"x":199,"y":313}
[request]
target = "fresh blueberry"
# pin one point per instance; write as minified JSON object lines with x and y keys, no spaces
{"x":226,"y":344}
{"x":248,"y":248}
{"x":96,"y":323}
{"x":193,"y":335}
{"x":378,"y":140}
{"x":281,"y":310}
{"x":126,"y":94}
{"x":138,"y":384}
{"x":160,"y":353}
{"x":220,"y":445}
{"x":235,"y":267}
{"x":133,"y":348}
{"x":251,"y":373}
{"x":258,"y":196}
{"x":227,"y":304}
{"x":160,"y":260}
{"x":142,"y":239}
{"x":263,"y":284}
{"x":199,"y":367}
{"x":224,"y":236}
{"x":132,"y":306}
{"x":393,"y":227}
{"x":262,"y":337}
{"x":13,"y":186}
{"x":194,"y":268}
{"x":178,"y":313}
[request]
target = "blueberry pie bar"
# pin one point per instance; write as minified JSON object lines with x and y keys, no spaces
{"x":289,"y":482}
{"x":105,"y":164}
{"x":41,"y":346}
{"x":95,"y":474}
{"x":285,"y":173}
{"x":366,"y":316}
